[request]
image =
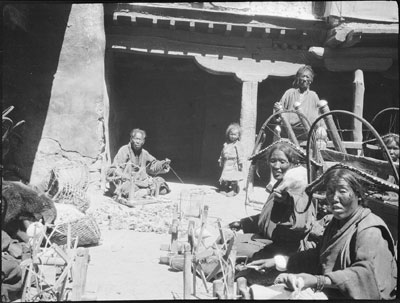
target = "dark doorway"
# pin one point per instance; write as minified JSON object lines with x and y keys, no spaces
{"x":183,"y":109}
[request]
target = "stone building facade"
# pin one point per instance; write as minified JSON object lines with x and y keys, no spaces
{"x":83,"y":75}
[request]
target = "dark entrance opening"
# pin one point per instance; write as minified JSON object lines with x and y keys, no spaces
{"x":183,"y":109}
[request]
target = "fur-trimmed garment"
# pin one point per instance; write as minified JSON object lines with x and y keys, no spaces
{"x":358,"y":257}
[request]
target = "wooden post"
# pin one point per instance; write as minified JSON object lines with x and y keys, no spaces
{"x":358,"y":95}
{"x":277,"y":133}
{"x":337,"y":142}
{"x":79,"y":271}
{"x":174,"y":236}
{"x":191,"y":235}
{"x":203,"y":225}
{"x":194,"y":272}
{"x":302,"y":120}
{"x":218,"y":289}
{"x":230,"y":274}
{"x":248,"y":119}
{"x":289,"y":129}
{"x":241,"y":288}
{"x":187,"y":268}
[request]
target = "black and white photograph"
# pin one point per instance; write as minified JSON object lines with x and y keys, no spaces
{"x":199,"y":150}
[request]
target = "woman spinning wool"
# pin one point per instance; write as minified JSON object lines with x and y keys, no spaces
{"x":286,"y":216}
{"x":356,"y":257}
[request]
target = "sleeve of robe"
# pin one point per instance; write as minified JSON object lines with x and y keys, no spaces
{"x":120,"y":158}
{"x":221,"y":157}
{"x":372,"y":275}
{"x":294,"y":183}
{"x":250,"y":224}
{"x":304,"y":262}
{"x":155,"y":166}
{"x":240,"y":153}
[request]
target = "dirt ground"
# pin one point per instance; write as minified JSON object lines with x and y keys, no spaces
{"x":126,"y":265}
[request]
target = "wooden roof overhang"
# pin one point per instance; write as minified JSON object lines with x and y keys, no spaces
{"x":190,"y":32}
{"x":187,"y":32}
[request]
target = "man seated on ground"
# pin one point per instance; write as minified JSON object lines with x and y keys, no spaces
{"x":129,"y":175}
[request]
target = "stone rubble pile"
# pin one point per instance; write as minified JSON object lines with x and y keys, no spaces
{"x":144,"y":218}
{"x":155,"y":217}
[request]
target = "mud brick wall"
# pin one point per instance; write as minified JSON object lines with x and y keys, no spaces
{"x":74,"y":125}
{"x":55,"y":72}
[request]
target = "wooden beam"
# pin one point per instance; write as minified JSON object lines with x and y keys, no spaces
{"x":191,"y":42}
{"x":348,"y":34}
{"x":172,"y":24}
{"x":248,"y":31}
{"x":210,"y":27}
{"x":355,"y":52}
{"x":218,"y":16}
{"x":352,"y":39}
{"x":351,"y":64}
{"x":337,"y":36}
{"x":228,"y":29}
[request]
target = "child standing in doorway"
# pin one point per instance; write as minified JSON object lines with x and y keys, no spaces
{"x":231,"y":161}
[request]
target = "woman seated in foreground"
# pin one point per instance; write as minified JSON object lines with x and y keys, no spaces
{"x":356,"y":257}
{"x":286,"y":216}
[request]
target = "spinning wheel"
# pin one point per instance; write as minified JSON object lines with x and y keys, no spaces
{"x":272,"y":131}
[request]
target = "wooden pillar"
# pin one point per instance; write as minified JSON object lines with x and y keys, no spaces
{"x":230,"y":275}
{"x":337,"y":142}
{"x":358,"y":96}
{"x":187,"y":270}
{"x":79,"y":270}
{"x":250,"y":72}
{"x":218,"y":289}
{"x":248,"y":114}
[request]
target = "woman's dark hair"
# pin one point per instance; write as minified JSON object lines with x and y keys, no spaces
{"x":289,"y":152}
{"x":300,"y":71}
{"x":334,"y":175}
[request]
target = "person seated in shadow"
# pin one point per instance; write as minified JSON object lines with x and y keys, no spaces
{"x":132,"y":173}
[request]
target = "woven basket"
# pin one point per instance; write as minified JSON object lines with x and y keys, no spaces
{"x":68,"y":185}
{"x":85,"y":228}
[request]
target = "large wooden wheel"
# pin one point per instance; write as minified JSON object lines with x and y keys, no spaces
{"x":269,"y":133}
{"x":364,"y":163}
{"x":386,"y":121}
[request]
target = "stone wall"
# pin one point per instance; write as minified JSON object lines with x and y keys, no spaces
{"x":73,"y":130}
{"x":54,"y":76}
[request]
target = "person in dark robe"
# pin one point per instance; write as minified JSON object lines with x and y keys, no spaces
{"x":287,"y":215}
{"x":356,"y":258}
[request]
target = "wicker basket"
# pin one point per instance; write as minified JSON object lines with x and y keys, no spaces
{"x":68,"y":185}
{"x":85,"y":228}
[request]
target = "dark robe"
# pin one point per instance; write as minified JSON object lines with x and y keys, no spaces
{"x":358,"y":257}
{"x":137,"y":171}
